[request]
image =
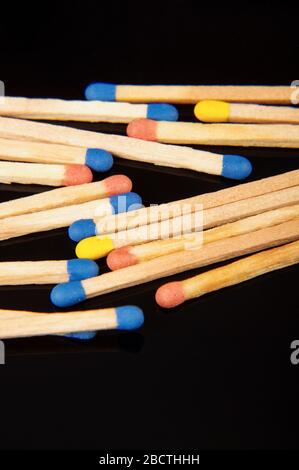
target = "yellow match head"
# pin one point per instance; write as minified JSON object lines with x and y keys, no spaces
{"x":212,"y":111}
{"x":94,"y":247}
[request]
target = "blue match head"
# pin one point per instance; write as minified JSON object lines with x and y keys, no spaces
{"x":162,"y":112}
{"x":83,"y":228}
{"x":83,"y":335}
{"x":81,"y":269}
{"x":236,"y":167}
{"x":68,"y":294}
{"x":100,"y":91}
{"x":129,"y":317}
{"x":99,"y":160}
{"x":125,"y":202}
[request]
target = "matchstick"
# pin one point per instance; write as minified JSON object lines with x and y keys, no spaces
{"x":117,"y":184}
{"x":65,"y":295}
{"x":241,"y":135}
{"x":95,"y":111}
{"x":14,"y":273}
{"x":230,"y":166}
{"x":221,"y":111}
{"x":100,"y":226}
{"x":130,"y":255}
{"x":173,"y":294}
{"x":63,"y":216}
{"x":40,"y":173}
{"x":18,"y":324}
{"x":99,"y":246}
{"x":189,"y":94}
{"x":41,"y":152}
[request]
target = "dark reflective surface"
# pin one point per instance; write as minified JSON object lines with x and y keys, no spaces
{"x":214,"y":373}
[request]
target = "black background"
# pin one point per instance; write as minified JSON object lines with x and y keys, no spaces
{"x":215,"y":373}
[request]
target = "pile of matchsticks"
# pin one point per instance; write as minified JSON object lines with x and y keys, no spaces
{"x":260,"y":218}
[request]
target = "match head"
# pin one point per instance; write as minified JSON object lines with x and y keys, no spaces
{"x":67,"y":294}
{"x":117,"y":184}
{"x":99,"y":160}
{"x":94,"y":247}
{"x":129,"y":317}
{"x":145,"y":129}
{"x":82,"y":335}
{"x":125,"y":202}
{"x":236,"y":167}
{"x":121,"y":258}
{"x":212,"y":111}
{"x":76,"y":174}
{"x":170,"y":295}
{"x":79,"y":269}
{"x":83,"y":228}
{"x":101,"y":91}
{"x":162,"y":112}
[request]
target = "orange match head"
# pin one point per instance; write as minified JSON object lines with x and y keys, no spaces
{"x":145,"y":129}
{"x":170,"y":295}
{"x":76,"y":174}
{"x":117,"y":184}
{"x":121,"y":258}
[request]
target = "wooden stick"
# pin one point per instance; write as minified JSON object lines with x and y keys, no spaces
{"x":61,"y":197}
{"x":220,"y":111}
{"x":175,"y":293}
{"x":49,"y":175}
{"x":69,"y":294}
{"x":188,"y":94}
{"x":130,"y":255}
{"x":95,"y":111}
{"x":231,"y":166}
{"x":17,"y":324}
{"x":16,"y":273}
{"x":154,"y":214}
{"x":241,"y":135}
{"x":37,"y":152}
{"x":52,"y":219}
{"x":99,"y":246}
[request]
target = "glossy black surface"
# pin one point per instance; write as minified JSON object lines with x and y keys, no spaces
{"x":216,"y":372}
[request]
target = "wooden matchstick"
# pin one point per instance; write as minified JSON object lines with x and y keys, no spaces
{"x":99,"y":246}
{"x":14,"y":273}
{"x":41,"y":152}
{"x":117,"y":184}
{"x":68,"y":294}
{"x":241,"y":135}
{"x":220,"y":111}
{"x":100,"y":226}
{"x":95,"y":111}
{"x":230,"y":166}
{"x":48,"y":175}
{"x":130,"y":255}
{"x":17,"y":324}
{"x":63,"y":216}
{"x":175,"y":293}
{"x":189,"y":94}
